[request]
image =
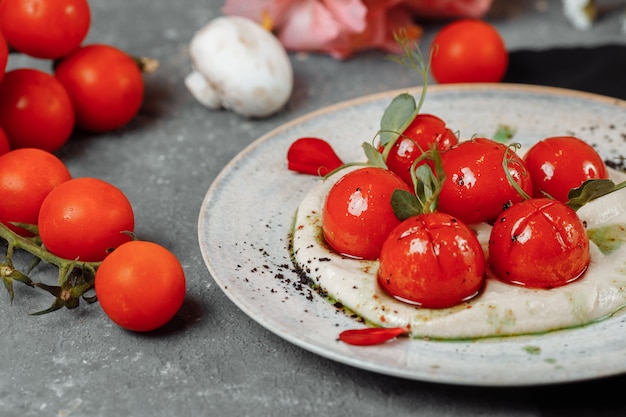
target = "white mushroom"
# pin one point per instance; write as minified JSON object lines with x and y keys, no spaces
{"x":240,"y":66}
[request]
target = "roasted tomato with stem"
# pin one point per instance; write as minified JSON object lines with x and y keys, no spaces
{"x":105,"y":85}
{"x":539,"y":243}
{"x":27,"y":176}
{"x":84,"y":219}
{"x":47,"y":29}
{"x":357,"y":213}
{"x":477,"y":187}
{"x":35,"y":110}
{"x":559,"y":164}
{"x":140,"y":286}
{"x":425,"y":132}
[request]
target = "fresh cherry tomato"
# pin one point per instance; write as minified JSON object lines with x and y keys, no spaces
{"x":140,"y":285}
{"x":426,"y":131}
{"x":558,"y":164}
{"x":539,"y":243}
{"x":357,"y":213}
{"x":468,"y":50}
{"x":27,"y":176}
{"x":47,"y":29}
{"x":476,"y":188}
{"x":4,"y":55}
{"x":85,"y":218}
{"x":105,"y":84}
{"x":35,"y":110}
{"x":432,"y":260}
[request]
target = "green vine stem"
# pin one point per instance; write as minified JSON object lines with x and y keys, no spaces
{"x":75,"y":278}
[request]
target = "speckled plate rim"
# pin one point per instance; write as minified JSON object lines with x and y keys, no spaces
{"x":246,"y":215}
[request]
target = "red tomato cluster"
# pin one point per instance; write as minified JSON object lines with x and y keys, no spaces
{"x":95,"y":87}
{"x":433,"y":258}
{"x":140,"y":285}
{"x":98,"y":88}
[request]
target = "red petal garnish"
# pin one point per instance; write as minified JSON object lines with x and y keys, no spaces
{"x":312,"y":156}
{"x":371,"y":335}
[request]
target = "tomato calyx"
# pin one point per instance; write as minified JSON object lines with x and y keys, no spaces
{"x":75,"y":278}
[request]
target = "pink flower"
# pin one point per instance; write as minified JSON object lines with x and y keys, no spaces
{"x":342,"y":27}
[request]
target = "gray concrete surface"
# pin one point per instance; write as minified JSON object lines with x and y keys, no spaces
{"x":213,"y":359}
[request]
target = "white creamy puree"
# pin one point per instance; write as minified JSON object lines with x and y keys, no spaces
{"x":500,"y":310}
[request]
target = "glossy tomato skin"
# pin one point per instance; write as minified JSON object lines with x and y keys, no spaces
{"x":432,"y":260}
{"x":468,"y":50}
{"x":425,"y":132}
{"x":476,"y":188}
{"x":558,"y":164}
{"x":35,"y":110}
{"x":84,"y":219}
{"x":27,"y":176}
{"x":105,"y":85}
{"x":357,"y":213}
{"x":539,"y":243}
{"x":48,"y":29}
{"x":140,"y":286}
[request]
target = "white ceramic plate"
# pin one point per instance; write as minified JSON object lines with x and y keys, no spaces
{"x":246,"y":217}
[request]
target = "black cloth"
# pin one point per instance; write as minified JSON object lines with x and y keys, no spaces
{"x":600,"y":70}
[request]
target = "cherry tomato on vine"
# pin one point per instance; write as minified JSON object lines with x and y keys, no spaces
{"x":140,"y":286}
{"x":105,"y":84}
{"x":476,"y":188}
{"x":558,"y":164}
{"x":539,"y":243}
{"x":48,"y":29}
{"x":432,"y":260}
{"x":425,"y":132}
{"x":35,"y":110}
{"x":85,"y":218}
{"x":468,"y":50}
{"x":27,"y":176}
{"x":357,"y":213}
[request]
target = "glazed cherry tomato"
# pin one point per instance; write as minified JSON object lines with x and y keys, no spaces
{"x":476,"y":188}
{"x":85,"y":218}
{"x":558,"y":164}
{"x":140,"y":286}
{"x":35,"y":110}
{"x":47,"y":29}
{"x":432,"y":260}
{"x":4,"y":55}
{"x":105,"y":84}
{"x":26,"y":177}
{"x":468,"y":50}
{"x":539,"y":243}
{"x":425,"y":132}
{"x":357,"y":213}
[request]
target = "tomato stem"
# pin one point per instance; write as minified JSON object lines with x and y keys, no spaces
{"x":75,"y":278}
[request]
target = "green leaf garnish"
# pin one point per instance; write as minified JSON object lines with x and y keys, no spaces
{"x":374,"y":157}
{"x":590,"y":190}
{"x":405,"y":204}
{"x":397,"y":116}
